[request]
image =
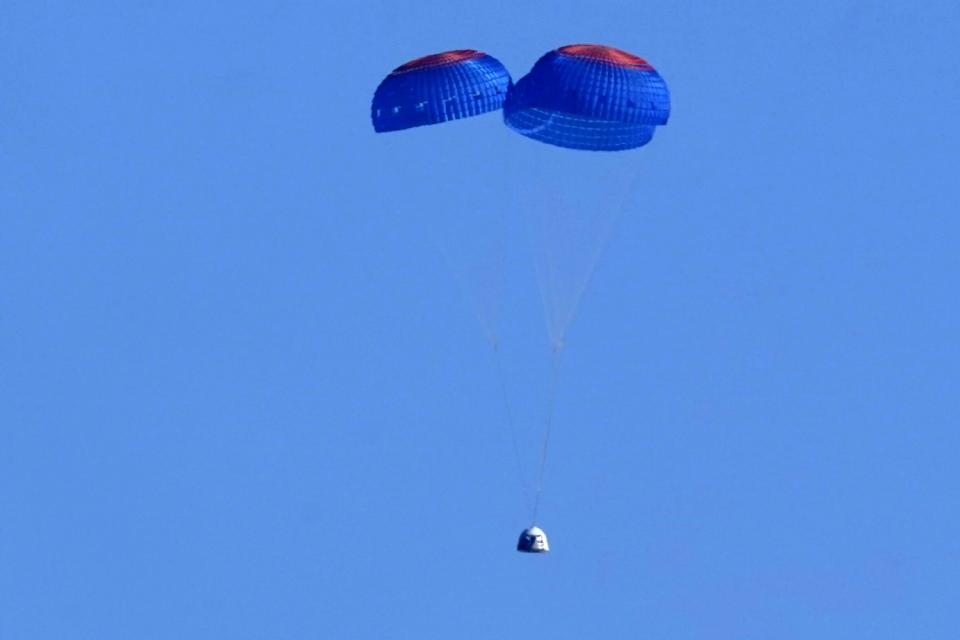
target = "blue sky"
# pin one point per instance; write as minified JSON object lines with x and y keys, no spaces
{"x":241,"y":395}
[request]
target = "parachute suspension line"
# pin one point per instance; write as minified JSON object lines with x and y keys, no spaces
{"x":485,"y":310}
{"x":486,"y":315}
{"x":557,"y":329}
{"x":605,"y":234}
{"x":607,"y":227}
{"x":548,"y":423}
{"x":511,"y":425}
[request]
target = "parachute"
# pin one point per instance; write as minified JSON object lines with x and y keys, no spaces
{"x":580,"y":97}
{"x":439,"y":87}
{"x":587,"y":96}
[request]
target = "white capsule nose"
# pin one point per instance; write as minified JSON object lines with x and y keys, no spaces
{"x":533,"y":540}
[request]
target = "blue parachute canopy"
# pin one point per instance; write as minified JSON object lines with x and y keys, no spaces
{"x":587,"y":96}
{"x":439,"y":87}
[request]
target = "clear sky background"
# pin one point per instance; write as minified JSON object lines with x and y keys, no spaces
{"x":241,"y":395}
